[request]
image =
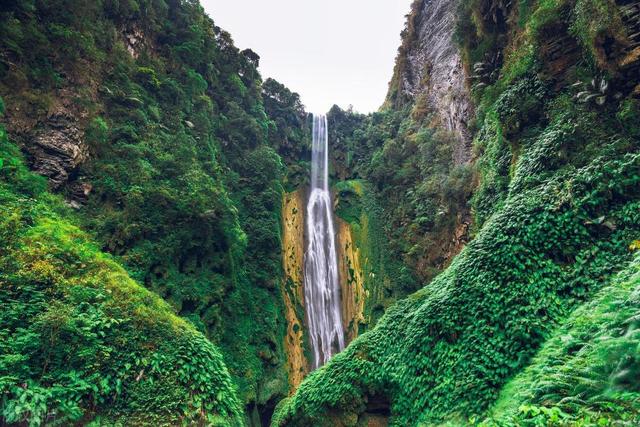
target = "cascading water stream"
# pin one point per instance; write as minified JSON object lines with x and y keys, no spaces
{"x":321,"y":288}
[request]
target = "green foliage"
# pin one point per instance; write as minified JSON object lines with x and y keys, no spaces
{"x":14,"y":172}
{"x":449,"y":348}
{"x":521,"y":104}
{"x":410,"y":166}
{"x":517,"y":114}
{"x":587,"y":373}
{"x":80,"y":338}
{"x":289,"y":132}
{"x":386,"y":278}
{"x":628,"y":116}
{"x":595,"y":21}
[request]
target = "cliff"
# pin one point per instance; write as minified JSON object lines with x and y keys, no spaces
{"x":80,"y":339}
{"x":293,"y":218}
{"x":429,"y":74}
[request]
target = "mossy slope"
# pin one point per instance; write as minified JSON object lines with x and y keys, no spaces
{"x":587,"y":373}
{"x":80,"y":340}
{"x":182,"y":171}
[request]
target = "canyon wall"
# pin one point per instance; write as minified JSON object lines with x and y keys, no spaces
{"x":353,"y":294}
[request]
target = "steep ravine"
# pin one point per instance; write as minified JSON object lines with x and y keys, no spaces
{"x":359,"y":295}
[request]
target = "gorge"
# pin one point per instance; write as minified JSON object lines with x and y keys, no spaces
{"x":181,"y":243}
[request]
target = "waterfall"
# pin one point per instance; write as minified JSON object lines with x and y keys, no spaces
{"x":321,"y":288}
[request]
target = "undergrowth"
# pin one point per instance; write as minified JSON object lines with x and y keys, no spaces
{"x":587,"y":373}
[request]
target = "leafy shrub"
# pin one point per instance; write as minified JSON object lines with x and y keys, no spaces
{"x":587,"y":373}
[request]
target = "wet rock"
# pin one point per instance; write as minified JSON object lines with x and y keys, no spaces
{"x":293,"y":212}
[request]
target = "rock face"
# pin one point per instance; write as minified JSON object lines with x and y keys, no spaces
{"x":292,"y":286}
{"x":429,"y":66}
{"x":53,"y":138}
{"x":57,"y":148}
{"x":134,"y":40}
{"x":352,"y":291}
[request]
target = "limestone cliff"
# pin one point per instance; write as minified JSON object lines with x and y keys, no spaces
{"x":416,"y":151}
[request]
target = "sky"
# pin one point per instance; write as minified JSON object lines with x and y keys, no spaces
{"x":330,"y":52}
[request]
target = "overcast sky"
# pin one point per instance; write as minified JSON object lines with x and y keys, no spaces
{"x":330,"y":52}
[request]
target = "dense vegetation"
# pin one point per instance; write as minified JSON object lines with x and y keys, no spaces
{"x":385,"y":277}
{"x":184,"y":179}
{"x":80,"y":340}
{"x":556,"y":217}
{"x":141,"y":277}
{"x":410,"y":165}
{"x":587,"y":373}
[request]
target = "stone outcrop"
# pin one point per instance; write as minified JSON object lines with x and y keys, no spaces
{"x":52,"y":138}
{"x":293,"y":285}
{"x":134,"y":40}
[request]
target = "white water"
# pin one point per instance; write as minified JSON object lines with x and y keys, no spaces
{"x":321,"y":288}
